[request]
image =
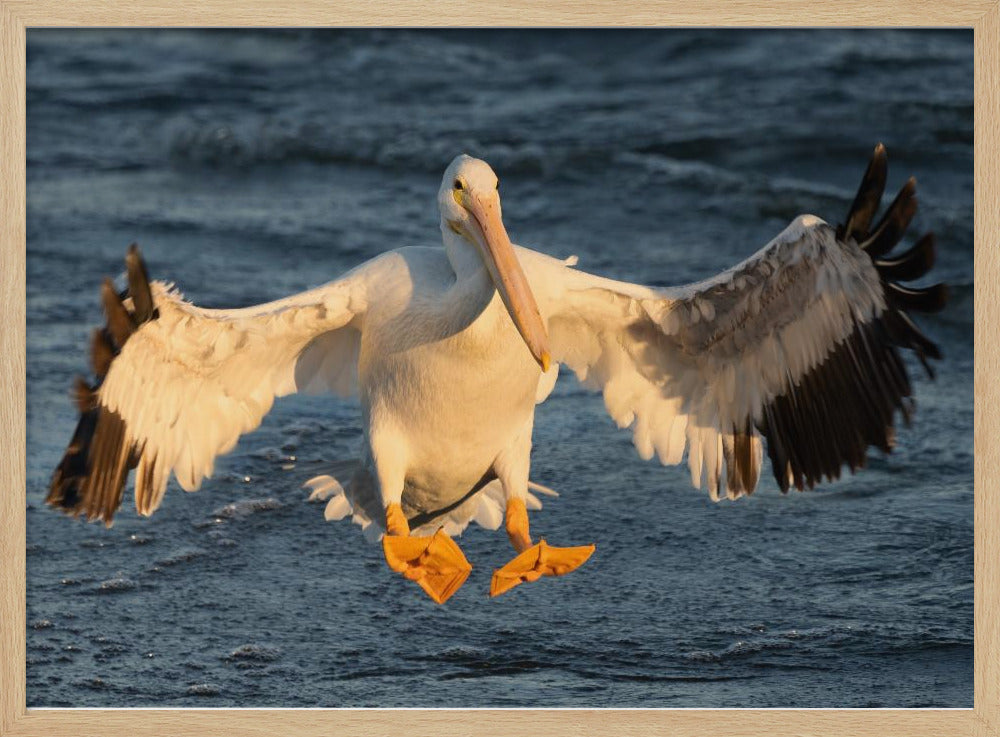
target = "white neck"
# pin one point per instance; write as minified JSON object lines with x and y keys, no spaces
{"x":474,"y":290}
{"x":463,"y":256}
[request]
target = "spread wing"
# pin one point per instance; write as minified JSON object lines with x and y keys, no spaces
{"x":177,"y":384}
{"x":798,"y":347}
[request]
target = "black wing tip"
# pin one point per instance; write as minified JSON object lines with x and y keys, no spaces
{"x":84,"y":395}
{"x":836,"y":411}
{"x":102,"y":352}
{"x":67,"y":496}
{"x":90,"y":478}
{"x":925,"y":299}
{"x":848,"y":403}
{"x":891,"y":228}
{"x":138,"y":284}
{"x":908,"y":266}
{"x":912,"y":264}
{"x":867,"y":199}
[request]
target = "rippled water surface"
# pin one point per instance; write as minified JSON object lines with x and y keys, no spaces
{"x":252,"y":165}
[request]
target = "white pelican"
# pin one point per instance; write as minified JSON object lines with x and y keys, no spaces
{"x":451,"y":348}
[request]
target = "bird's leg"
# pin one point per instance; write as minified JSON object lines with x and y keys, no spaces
{"x":532,"y":561}
{"x":434,"y":562}
{"x":517,"y":526}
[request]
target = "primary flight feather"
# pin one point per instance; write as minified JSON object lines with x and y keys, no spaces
{"x":795,"y":350}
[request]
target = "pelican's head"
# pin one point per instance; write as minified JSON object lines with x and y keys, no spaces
{"x":469,"y":199}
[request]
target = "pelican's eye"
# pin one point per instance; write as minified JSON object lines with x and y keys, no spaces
{"x":459,"y":184}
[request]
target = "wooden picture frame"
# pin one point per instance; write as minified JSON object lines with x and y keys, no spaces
{"x":15,"y":719}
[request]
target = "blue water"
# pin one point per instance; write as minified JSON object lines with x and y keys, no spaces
{"x":251,"y":165}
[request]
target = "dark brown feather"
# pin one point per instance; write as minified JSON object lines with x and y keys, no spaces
{"x":910,"y":265}
{"x":894,"y":223}
{"x":926,"y":299}
{"x":90,"y":478}
{"x":120,"y":323}
{"x":868,"y":198}
{"x":102,"y":352}
{"x":83,"y":395}
{"x":138,"y":285}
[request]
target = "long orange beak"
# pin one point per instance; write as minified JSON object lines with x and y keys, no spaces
{"x":509,"y":278}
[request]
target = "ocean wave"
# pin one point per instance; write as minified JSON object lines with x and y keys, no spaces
{"x":254,"y":652}
{"x":246,"y":508}
{"x":224,"y":146}
{"x":118,"y":584}
{"x":202,"y":689}
{"x":181,"y":556}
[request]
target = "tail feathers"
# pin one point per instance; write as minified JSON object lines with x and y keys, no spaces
{"x":338,"y":475}
{"x":533,"y":486}
{"x":328,"y":488}
{"x":90,"y":478}
{"x":485,"y":506}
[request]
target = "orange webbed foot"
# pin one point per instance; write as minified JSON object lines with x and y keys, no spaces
{"x":435,"y":563}
{"x":539,"y":560}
